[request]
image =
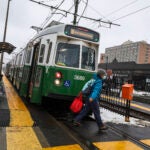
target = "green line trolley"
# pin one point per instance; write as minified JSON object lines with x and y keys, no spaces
{"x":57,"y":62}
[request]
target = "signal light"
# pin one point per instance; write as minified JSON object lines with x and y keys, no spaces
{"x":58,"y":75}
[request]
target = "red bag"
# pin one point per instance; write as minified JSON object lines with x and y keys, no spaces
{"x":77,"y":104}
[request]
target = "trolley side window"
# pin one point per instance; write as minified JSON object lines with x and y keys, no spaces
{"x":49,"y":52}
{"x":25,"y":75}
{"x":42,"y":51}
{"x":28,"y":56}
{"x":88,"y":58}
{"x":38,"y":77}
{"x":20,"y":58}
{"x":68,"y":55}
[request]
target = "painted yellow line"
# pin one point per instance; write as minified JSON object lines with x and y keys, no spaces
{"x":19,"y":114}
{"x":119,"y":100}
{"x":117,"y":145}
{"x":67,"y":147}
{"x":141,"y":107}
{"x":147,"y":141}
{"x":22,"y":138}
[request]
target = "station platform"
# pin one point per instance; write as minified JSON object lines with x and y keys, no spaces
{"x":24,"y":126}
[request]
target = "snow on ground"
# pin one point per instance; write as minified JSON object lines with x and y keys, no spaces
{"x":108,"y":116}
{"x":141,"y":93}
{"x":135,"y":93}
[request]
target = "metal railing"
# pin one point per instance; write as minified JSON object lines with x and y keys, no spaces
{"x":111,"y":97}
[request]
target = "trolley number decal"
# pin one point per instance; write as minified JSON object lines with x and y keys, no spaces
{"x":77,"y":77}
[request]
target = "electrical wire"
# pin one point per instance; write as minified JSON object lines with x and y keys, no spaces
{"x":95,"y":10}
{"x":85,"y":17}
{"x":83,"y":11}
{"x":115,"y":11}
{"x":46,"y":1}
{"x":119,"y":9}
{"x":134,"y":12}
{"x":52,"y":14}
{"x":46,"y":19}
{"x":68,"y":11}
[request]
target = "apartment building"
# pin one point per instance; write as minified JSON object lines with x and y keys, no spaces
{"x":129,"y":51}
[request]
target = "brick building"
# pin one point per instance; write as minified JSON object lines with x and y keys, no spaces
{"x":138,"y":52}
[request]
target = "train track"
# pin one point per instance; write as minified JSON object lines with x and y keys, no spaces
{"x":85,"y":143}
{"x":129,"y":137}
{"x":63,"y":119}
{"x":64,"y":122}
{"x":88,"y":145}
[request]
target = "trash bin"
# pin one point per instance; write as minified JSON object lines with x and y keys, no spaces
{"x":127,"y":91}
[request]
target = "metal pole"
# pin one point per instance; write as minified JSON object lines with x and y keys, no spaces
{"x":4,"y":37}
{"x":106,"y":63}
{"x":75,"y":12}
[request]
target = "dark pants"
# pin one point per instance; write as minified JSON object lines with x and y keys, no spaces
{"x":94,"y":106}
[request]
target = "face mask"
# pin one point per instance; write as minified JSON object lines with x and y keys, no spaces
{"x":104,"y":77}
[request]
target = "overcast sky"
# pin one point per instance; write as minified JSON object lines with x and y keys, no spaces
{"x":24,"y":13}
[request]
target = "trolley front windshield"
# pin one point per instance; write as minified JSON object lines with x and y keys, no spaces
{"x":69,"y":55}
{"x":88,"y":58}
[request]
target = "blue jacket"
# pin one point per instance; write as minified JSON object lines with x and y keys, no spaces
{"x":96,"y":89}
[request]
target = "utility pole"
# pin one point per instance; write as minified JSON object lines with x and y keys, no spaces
{"x":4,"y":36}
{"x":106,"y":63}
{"x":75,"y":12}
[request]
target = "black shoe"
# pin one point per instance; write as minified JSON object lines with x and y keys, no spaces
{"x":103,"y":128}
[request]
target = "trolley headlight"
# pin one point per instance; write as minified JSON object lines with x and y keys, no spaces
{"x":57,"y":82}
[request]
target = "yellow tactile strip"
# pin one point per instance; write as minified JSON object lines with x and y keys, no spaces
{"x":117,"y":145}
{"x":19,"y":114}
{"x":20,"y":135}
{"x":22,"y":138}
{"x":67,"y":147}
{"x":146,"y":141}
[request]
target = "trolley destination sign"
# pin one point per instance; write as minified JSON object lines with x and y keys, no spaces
{"x":82,"y":33}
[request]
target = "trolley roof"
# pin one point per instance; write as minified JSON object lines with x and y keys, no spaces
{"x":57,"y":29}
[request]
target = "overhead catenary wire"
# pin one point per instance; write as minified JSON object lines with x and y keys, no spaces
{"x":93,"y":19}
{"x":42,"y":24}
{"x":68,"y":11}
{"x":95,"y":10}
{"x":113,"y":12}
{"x":92,"y":8}
{"x":48,"y":18}
{"x":119,"y":9}
{"x":46,"y":1}
{"x":83,"y":11}
{"x":134,"y":12}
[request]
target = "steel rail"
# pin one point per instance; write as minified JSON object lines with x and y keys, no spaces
{"x":131,"y":138}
